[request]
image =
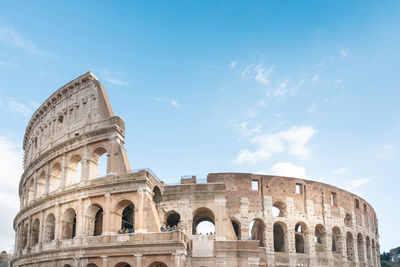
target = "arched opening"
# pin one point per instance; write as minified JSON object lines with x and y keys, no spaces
{"x":279,"y":209}
{"x":35,"y":232}
{"x":279,"y":237}
{"x":300,"y":230}
{"x":94,"y":220}
{"x":368,"y":248}
{"x":55,"y":177}
{"x":157,"y":195}
{"x":348,"y":220}
{"x":49,"y":228}
{"x":69,"y":224}
{"x":172,"y":222}
{"x":236,"y":228}
{"x":41,"y":185}
{"x":257,"y":231}
{"x":31,"y":191}
{"x":336,"y":240}
{"x":25,"y":236}
{"x":320,"y":238}
{"x":349,"y":247}
{"x":360,"y":247}
{"x":67,"y":265}
{"x":203,"y":222}
{"x":373,"y":252}
{"x":98,"y":165}
{"x":74,"y":170}
{"x":91,"y":265}
{"x":122,"y":264}
{"x":158,"y":264}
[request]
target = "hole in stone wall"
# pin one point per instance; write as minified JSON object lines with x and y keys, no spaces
{"x":205,"y":217}
{"x":279,"y":238}
{"x":173,"y":219}
{"x":236,"y":228}
{"x":257,"y":231}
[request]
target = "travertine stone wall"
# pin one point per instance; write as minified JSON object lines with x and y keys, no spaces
{"x":72,"y":217}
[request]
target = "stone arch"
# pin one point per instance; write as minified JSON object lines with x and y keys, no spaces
{"x":158,"y":264}
{"x":31,"y":190}
{"x":35,"y":231}
{"x":74,"y":170}
{"x":122,"y":264}
{"x":360,"y":247}
{"x":279,"y":209}
{"x":157,"y":197}
{"x":350,"y":247}
{"x":368,"y":248}
{"x":280,"y":231}
{"x":41,"y":185}
{"x":336,"y":240}
{"x":49,"y":228}
{"x":55,"y":177}
{"x":300,"y":230}
{"x":99,"y":163}
{"x":69,"y":224}
{"x":67,"y":265}
{"x":172,"y":219}
{"x":94,"y":220}
{"x":348,"y":220}
{"x":91,"y":265}
{"x":202,"y":215}
{"x":126,"y":210}
{"x":236,"y":227}
{"x":320,"y":238}
{"x":257,"y":231}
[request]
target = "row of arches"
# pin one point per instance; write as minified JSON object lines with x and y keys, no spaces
{"x":50,"y":180}
{"x":92,"y":224}
{"x":124,"y":264}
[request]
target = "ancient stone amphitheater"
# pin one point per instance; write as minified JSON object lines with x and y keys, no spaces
{"x":72,"y":217}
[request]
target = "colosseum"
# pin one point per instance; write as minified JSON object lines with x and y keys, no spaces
{"x":71,"y":216}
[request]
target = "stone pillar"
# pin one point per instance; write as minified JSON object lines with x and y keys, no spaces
{"x":64,"y":171}
{"x":41,"y":229}
{"x":58,"y":222}
{"x":47,"y":188}
{"x":139,"y":212}
{"x":107,"y":215}
{"x":85,"y":175}
{"x":291,"y":242}
{"x":80,"y":217}
{"x":177,"y":260}
{"x":105,"y":261}
{"x":35,"y":182}
{"x":220,"y":223}
{"x":138,"y":260}
{"x":355,"y":249}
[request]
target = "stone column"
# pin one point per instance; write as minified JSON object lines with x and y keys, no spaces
{"x":139,"y":212}
{"x":138,"y":260}
{"x":85,"y":175}
{"x":80,"y":217}
{"x":107,"y":215}
{"x":105,"y":261}
{"x":58,"y":222}
{"x":291,"y":243}
{"x":41,"y":229}
{"x":64,"y":171}
{"x":47,"y":188}
{"x":220,"y":223}
{"x":35,"y":182}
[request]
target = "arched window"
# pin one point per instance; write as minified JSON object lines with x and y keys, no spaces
{"x":368,"y":248}
{"x":236,"y":228}
{"x":158,"y":264}
{"x":348,"y":220}
{"x":157,"y":195}
{"x":122,"y":264}
{"x":257,"y":231}
{"x":74,"y":170}
{"x":279,"y":209}
{"x":300,"y":234}
{"x":128,"y":218}
{"x":69,"y":224}
{"x":336,"y":240}
{"x":173,"y":220}
{"x":373,"y":252}
{"x":125,"y":211}
{"x":49,"y":228}
{"x":203,"y":222}
{"x":55,"y":177}
{"x":279,"y":237}
{"x":320,"y":238}
{"x":35,"y":232}
{"x":349,"y":247}
{"x":41,"y":185}
{"x":91,"y":265}
{"x":94,"y":220}
{"x":25,"y":236}
{"x":360,"y":247}
{"x":98,"y":166}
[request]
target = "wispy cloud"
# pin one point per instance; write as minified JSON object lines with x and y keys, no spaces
{"x":259,"y":73}
{"x":288,"y":169}
{"x":294,"y":141}
{"x":173,"y":102}
{"x":18,"y":107}
{"x":247,"y":131}
{"x":232,"y":64}
{"x":12,"y":38}
{"x":343,"y":53}
{"x":341,"y":171}
{"x":387,"y":151}
{"x":356,"y":183}
{"x":110,"y":77}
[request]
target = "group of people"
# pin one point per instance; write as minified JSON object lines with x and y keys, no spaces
{"x":126,"y":231}
{"x":170,"y":229}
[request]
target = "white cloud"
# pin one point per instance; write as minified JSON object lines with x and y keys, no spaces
{"x":11,"y":170}
{"x":343,"y":53}
{"x":341,"y":171}
{"x":173,"y":102}
{"x":18,"y":107}
{"x":355,"y":184}
{"x":232,"y":65}
{"x":293,"y":140}
{"x":339,"y":81}
{"x":247,"y":132}
{"x":263,"y":74}
{"x":10,"y":37}
{"x":251,"y":113}
{"x":286,"y":87}
{"x":262,"y":104}
{"x":288,"y":169}
{"x":387,"y":151}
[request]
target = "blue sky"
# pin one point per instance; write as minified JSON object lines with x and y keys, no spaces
{"x":307,"y":89}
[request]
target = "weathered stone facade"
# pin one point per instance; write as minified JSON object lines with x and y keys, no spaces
{"x":71,"y":217}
